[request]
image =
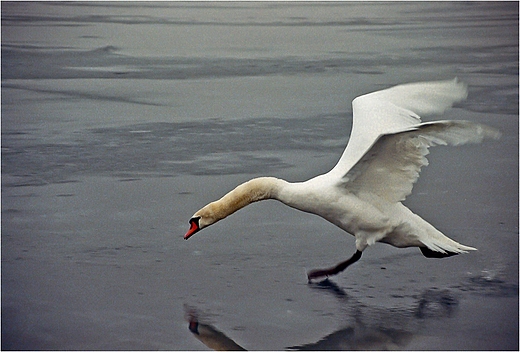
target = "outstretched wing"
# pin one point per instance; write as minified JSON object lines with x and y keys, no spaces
{"x":392,"y":110}
{"x":392,"y":165}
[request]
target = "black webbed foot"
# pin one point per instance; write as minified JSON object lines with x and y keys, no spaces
{"x":428,"y":253}
{"x":319,"y":273}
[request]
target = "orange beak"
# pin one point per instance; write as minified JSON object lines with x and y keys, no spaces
{"x":193,"y":229}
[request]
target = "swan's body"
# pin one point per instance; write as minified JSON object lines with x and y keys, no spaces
{"x":362,"y":194}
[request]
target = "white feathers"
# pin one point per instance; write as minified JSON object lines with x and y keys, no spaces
{"x":424,"y":98}
{"x":362,"y":194}
{"x":387,"y":149}
{"x":392,"y":165}
{"x":395,"y":110}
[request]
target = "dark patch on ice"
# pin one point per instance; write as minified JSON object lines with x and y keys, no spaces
{"x":135,"y":19}
{"x":131,"y":179}
{"x":11,"y":211}
{"x":70,"y":94}
{"x":437,"y":303}
{"x":214,"y":147}
{"x":487,"y":284}
{"x":33,"y":62}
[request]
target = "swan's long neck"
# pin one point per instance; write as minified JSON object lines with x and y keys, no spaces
{"x":249,"y":192}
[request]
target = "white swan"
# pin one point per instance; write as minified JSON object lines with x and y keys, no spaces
{"x":362,"y":194}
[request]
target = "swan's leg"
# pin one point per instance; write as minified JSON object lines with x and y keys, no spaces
{"x":317,"y":273}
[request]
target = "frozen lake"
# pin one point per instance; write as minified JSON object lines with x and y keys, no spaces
{"x":120,"y":120}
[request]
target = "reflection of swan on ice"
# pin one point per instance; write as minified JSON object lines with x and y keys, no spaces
{"x":363,"y":327}
{"x":209,"y":335}
{"x":377,"y":328}
{"x":363,"y":193}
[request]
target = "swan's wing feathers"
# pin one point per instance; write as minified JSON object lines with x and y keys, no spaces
{"x":456,"y":132}
{"x":381,"y":171}
{"x":423,"y":99}
{"x":395,"y":109}
{"x":392,"y":165}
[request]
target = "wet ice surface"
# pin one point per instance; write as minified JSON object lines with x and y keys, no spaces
{"x":119,"y":121}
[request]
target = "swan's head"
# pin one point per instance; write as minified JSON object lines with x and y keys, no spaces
{"x":201,"y":219}
{"x":244,"y":194}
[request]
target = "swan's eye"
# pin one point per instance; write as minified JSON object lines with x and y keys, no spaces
{"x":194,"y":327}
{"x":195,"y":221}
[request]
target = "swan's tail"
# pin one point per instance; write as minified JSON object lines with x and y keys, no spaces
{"x":447,"y":248}
{"x":439,"y":245}
{"x":433,"y":243}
